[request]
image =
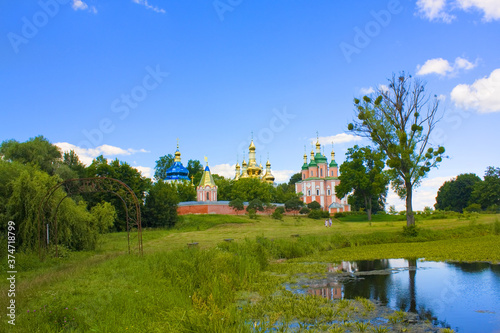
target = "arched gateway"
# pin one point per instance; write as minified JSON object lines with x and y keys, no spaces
{"x":88,"y":185}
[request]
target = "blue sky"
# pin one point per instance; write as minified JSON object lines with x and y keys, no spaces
{"x":127,"y":78}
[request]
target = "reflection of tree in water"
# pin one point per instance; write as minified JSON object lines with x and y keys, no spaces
{"x":373,"y":286}
{"x":474,"y":267}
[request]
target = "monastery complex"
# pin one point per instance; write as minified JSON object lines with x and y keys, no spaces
{"x":318,"y":182}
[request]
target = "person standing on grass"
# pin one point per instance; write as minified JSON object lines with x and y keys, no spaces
{"x":330,"y":222}
{"x":326,"y":223}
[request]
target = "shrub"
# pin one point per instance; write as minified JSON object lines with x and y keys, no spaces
{"x":278,"y":213}
{"x":474,"y":207}
{"x":314,"y":205}
{"x":252,"y":213}
{"x":410,"y":231}
{"x":304,"y":210}
{"x":318,"y":214}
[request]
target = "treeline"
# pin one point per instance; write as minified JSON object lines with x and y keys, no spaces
{"x":29,"y":169}
{"x":470,"y":193}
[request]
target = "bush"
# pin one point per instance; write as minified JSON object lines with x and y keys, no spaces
{"x":278,"y":213}
{"x":475,"y":207}
{"x":314,"y":205}
{"x":493,"y":209}
{"x":410,"y":231}
{"x":304,"y":210}
{"x":318,"y":214}
{"x":252,"y":213}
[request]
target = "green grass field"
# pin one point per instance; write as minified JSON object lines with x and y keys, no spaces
{"x":221,"y":286}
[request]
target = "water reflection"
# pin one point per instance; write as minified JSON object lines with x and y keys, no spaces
{"x":462,"y":296}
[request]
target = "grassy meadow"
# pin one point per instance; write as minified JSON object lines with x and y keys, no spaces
{"x":222,"y":286}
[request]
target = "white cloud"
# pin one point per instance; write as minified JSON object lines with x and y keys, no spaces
{"x":86,"y":155}
{"x":439,"y":10}
{"x":226,"y":170}
{"x":148,"y":6}
{"x":442,"y":67}
{"x":435,"y":182}
{"x":483,"y":95}
{"x":338,"y":138}
{"x":383,"y":87}
{"x":423,"y":196}
{"x":490,"y":8}
{"x":282,"y":176}
{"x":145,"y":171}
{"x":438,"y":66}
{"x":434,"y":10}
{"x":80,"y":5}
{"x":366,"y":91}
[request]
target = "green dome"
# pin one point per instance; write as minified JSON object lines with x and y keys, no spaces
{"x":305,"y":166}
{"x":320,"y":158}
{"x":312,"y":163}
{"x":333,"y":164}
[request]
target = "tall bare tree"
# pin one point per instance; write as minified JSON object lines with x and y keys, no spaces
{"x":400,"y":121}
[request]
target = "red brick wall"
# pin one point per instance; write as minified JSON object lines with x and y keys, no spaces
{"x":216,"y":209}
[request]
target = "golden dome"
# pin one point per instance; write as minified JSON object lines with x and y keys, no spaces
{"x":252,"y":146}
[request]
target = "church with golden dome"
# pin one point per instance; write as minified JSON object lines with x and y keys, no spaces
{"x":252,"y":170}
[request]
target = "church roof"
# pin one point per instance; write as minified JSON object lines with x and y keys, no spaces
{"x":207,"y":179}
{"x":177,"y":172}
{"x":320,"y":158}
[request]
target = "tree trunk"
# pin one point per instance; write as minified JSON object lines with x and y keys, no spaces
{"x":410,"y":219}
{"x":368,"y":205}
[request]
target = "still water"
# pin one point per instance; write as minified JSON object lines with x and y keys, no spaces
{"x":461,"y":296}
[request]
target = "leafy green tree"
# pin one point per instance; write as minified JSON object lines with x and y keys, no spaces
{"x":455,"y":194}
{"x":237,"y":205}
{"x":358,"y":203}
{"x":160,"y":209}
{"x":487,"y":192}
{"x":293,"y":204}
{"x":76,"y":229}
{"x":104,"y":215}
{"x":397,"y":122}
{"x":73,"y":162}
{"x":123,"y":172}
{"x":256,"y":205}
{"x":314,"y":205}
{"x":36,"y":151}
{"x":295,"y":178}
{"x":195,"y":169}
{"x":362,"y":172}
{"x":224,"y":188}
{"x":162,"y":165}
{"x":249,"y":189}
{"x":186,"y":191}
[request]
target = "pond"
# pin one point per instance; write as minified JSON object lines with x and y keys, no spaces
{"x":461,"y":296}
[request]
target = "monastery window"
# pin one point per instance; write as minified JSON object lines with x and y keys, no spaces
{"x":208,"y":196}
{"x":312,"y":173}
{"x":328,"y":192}
{"x":303,"y":176}
{"x":321,"y":170}
{"x":317,"y":192}
{"x":309,"y":192}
